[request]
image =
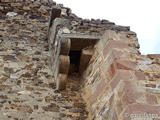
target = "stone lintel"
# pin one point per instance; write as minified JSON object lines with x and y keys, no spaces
{"x":81,"y":36}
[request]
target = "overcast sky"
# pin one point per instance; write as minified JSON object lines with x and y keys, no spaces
{"x":143,"y":16}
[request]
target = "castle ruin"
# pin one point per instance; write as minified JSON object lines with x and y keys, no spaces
{"x":58,"y":66}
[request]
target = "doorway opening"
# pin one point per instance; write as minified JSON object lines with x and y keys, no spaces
{"x":80,"y":54}
{"x":74,"y":61}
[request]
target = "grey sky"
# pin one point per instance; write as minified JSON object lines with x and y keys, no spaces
{"x":141,"y":15}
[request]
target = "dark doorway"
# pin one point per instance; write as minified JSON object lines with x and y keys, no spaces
{"x":74,"y":61}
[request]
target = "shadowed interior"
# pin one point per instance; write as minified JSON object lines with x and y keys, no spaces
{"x":79,"y":55}
{"x":74,"y":61}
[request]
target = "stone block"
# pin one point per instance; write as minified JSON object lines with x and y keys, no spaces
{"x":61,"y":82}
{"x":16,"y":4}
{"x":114,"y":44}
{"x":64,"y":64}
{"x":55,"y":12}
{"x":131,"y":95}
{"x":151,"y":99}
{"x":26,"y":8}
{"x":117,"y":54}
{"x":140,"y":110}
{"x":65,"y":46}
{"x":115,"y":81}
{"x":140,"y":75}
{"x":126,"y":64}
{"x":112,"y":70}
{"x":120,"y":75}
{"x":85,"y":58}
{"x":98,"y":90}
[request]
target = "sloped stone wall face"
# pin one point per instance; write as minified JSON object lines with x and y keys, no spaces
{"x":114,"y":86}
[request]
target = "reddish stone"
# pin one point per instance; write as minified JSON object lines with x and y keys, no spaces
{"x":131,"y":94}
{"x":111,"y":71}
{"x":125,"y":75}
{"x":114,"y":115}
{"x":117,"y":54}
{"x":119,"y":44}
{"x":114,"y":44}
{"x":98,"y":90}
{"x":119,"y":107}
{"x":29,"y":88}
{"x":140,"y":109}
{"x":140,"y":75}
{"x":151,"y":99}
{"x":106,"y":50}
{"x":126,"y":65}
{"x":120,"y":93}
{"x":111,"y":100}
{"x":115,"y":81}
{"x":128,"y":100}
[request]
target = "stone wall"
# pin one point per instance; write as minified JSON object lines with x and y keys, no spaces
{"x":115,"y":84}
{"x":67,"y":32}
{"x":119,"y":82}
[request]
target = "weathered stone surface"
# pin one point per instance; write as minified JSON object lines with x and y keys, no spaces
{"x":151,"y":99}
{"x":140,"y":109}
{"x":10,"y":58}
{"x":27,"y":88}
{"x":11,"y":14}
{"x":55,"y":12}
{"x":61,"y":81}
{"x":98,"y":91}
{"x":64,"y":64}
{"x":116,"y":76}
{"x":140,"y":75}
{"x":84,"y":60}
{"x":114,"y":44}
{"x":65,"y":46}
{"x":126,"y":65}
{"x":125,"y":73}
{"x":121,"y":75}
